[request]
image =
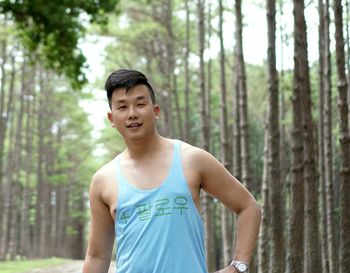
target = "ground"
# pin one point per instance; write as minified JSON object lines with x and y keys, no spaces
{"x":71,"y":267}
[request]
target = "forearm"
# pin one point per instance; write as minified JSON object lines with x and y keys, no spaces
{"x":248,"y":224}
{"x":96,"y":265}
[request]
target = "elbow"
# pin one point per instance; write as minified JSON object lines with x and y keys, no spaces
{"x":258,"y":211}
{"x":97,"y":254}
{"x":253,"y":209}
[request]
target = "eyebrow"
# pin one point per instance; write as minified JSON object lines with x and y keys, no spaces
{"x":141,"y":97}
{"x":120,"y":101}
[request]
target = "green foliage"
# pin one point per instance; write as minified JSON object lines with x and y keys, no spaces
{"x":25,"y":266}
{"x":112,"y":143}
{"x":53,"y":29}
{"x":71,"y":231}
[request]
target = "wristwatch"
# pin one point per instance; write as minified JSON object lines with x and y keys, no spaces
{"x":240,"y":266}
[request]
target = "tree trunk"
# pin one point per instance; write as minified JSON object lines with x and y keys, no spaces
{"x":25,"y":240}
{"x":243,"y":102}
{"x":296,"y":223}
{"x":6,"y":187}
{"x":41,"y":188}
{"x":15,"y":191}
{"x":236,"y":147}
{"x":344,"y":139}
{"x":237,"y":159}
{"x":209,"y":71}
{"x":211,"y":239}
{"x":180,"y":132}
{"x":206,"y":200}
{"x":8,"y":198}
{"x":264,"y":238}
{"x":3,"y":116}
{"x":187,"y":135}
{"x":63,"y":193}
{"x":312,"y":246}
{"x":348,"y":51}
{"x":205,"y":135}
{"x":225,"y":160}
{"x":321,"y":140}
{"x":328,"y":149}
{"x":284,"y":142}
{"x":171,"y":77}
{"x":274,"y":169}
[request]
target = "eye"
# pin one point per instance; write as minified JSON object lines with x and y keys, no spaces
{"x":121,"y":107}
{"x":141,"y":104}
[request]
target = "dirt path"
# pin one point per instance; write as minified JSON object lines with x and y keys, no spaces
{"x":71,"y":267}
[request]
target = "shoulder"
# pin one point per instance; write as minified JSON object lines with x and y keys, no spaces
{"x":189,"y":150}
{"x":196,"y":157}
{"x":103,"y":178}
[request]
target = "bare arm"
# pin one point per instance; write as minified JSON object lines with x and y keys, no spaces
{"x":218,"y":182}
{"x":101,"y":240}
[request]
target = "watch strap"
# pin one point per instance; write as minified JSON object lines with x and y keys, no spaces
{"x":236,"y":264}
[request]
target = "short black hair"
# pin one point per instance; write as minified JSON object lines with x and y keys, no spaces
{"x":126,"y":78}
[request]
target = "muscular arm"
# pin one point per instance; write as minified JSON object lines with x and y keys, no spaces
{"x":101,"y":237}
{"x":218,"y":182}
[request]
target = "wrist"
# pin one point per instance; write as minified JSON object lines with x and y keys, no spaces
{"x":232,"y":269}
{"x":239,"y":266}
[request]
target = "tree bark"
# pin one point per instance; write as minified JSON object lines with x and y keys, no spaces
{"x":333,"y":251}
{"x":312,"y":245}
{"x":321,"y":140}
{"x":3,"y":116}
{"x":6,"y":187}
{"x":26,"y":246}
{"x":211,"y":249}
{"x":296,"y":224}
{"x":274,"y":169}
{"x":179,"y":130}
{"x":205,"y":136}
{"x":206,"y":200}
{"x":237,"y":158}
{"x":40,"y":210}
{"x":348,"y":51}
{"x":243,"y":101}
{"x":264,"y":232}
{"x":187,"y":131}
{"x":8,"y":198}
{"x":170,"y":41}
{"x":344,"y":139}
{"x":15,"y":189}
{"x":225,"y":157}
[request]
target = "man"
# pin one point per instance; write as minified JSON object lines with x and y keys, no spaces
{"x":148,"y":196}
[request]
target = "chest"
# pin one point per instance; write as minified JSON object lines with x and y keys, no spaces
{"x":148,"y":175}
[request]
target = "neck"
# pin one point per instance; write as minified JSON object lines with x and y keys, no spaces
{"x":139,"y":149}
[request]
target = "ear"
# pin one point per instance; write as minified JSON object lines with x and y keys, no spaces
{"x":156,"y":110}
{"x":110,"y":118}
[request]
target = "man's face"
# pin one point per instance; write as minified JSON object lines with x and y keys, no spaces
{"x":133,"y":113}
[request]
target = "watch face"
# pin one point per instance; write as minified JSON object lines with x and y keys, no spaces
{"x":241,"y":267}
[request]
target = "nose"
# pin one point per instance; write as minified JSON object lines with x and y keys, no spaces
{"x":132,"y":113}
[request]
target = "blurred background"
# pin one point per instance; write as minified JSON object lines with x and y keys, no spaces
{"x":262,"y":85}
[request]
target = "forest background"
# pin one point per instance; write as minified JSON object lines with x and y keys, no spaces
{"x":281,"y":125}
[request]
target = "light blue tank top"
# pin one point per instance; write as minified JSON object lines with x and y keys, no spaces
{"x":159,"y":230}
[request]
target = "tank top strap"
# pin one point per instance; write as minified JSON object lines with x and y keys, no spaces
{"x":120,"y":177}
{"x":177,"y":159}
{"x":117,"y":165}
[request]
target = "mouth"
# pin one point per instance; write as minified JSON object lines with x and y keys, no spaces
{"x":133,"y":125}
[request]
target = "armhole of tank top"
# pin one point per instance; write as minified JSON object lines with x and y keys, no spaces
{"x":184,"y":179}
